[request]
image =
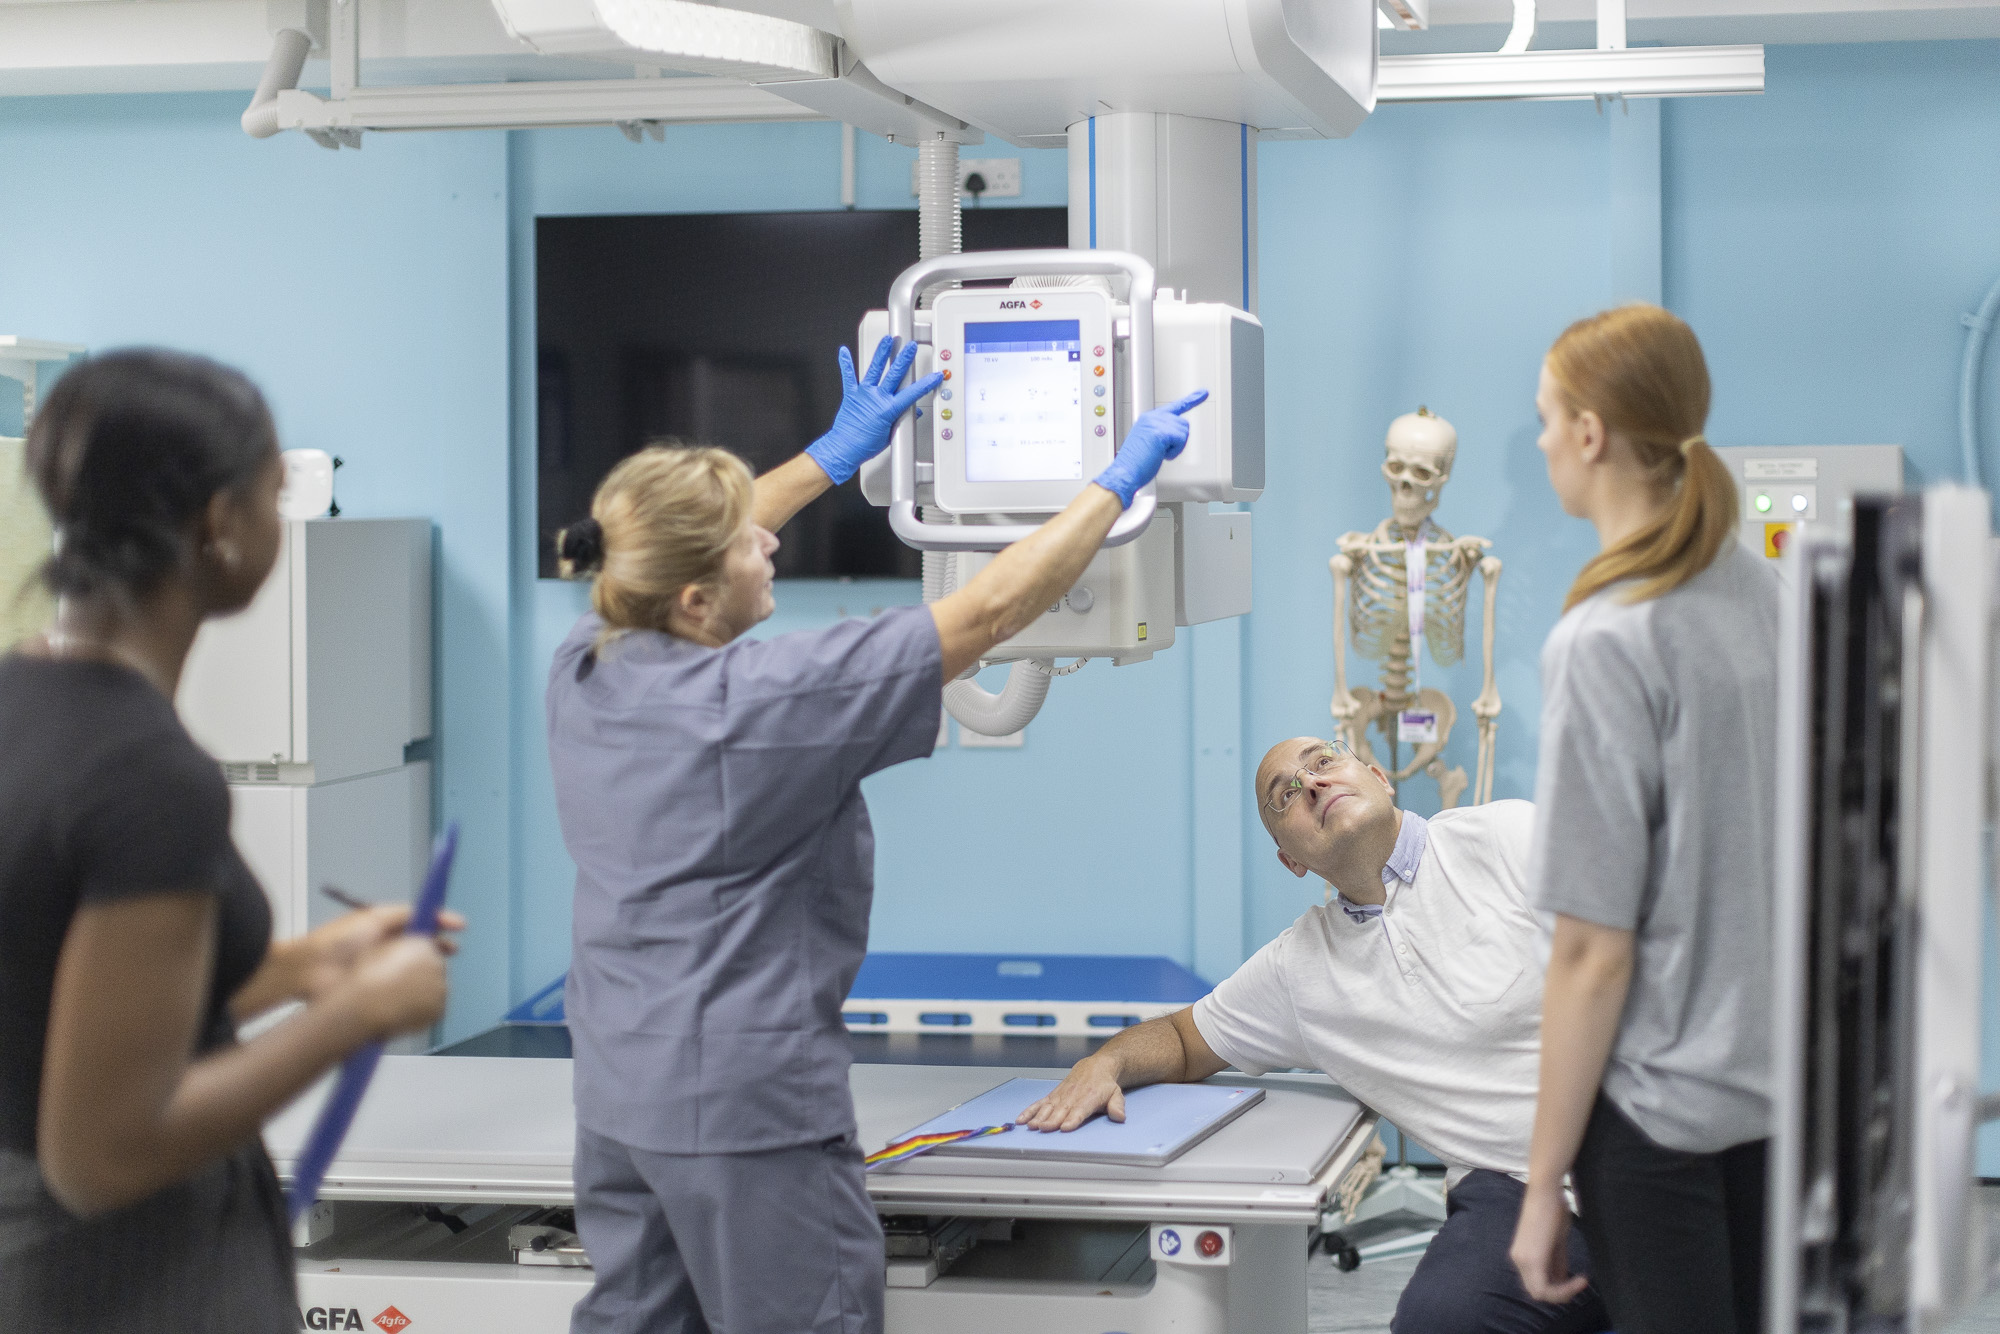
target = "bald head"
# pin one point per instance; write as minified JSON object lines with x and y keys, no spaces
{"x":1326,"y":810}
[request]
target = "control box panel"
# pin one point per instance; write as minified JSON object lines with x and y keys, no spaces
{"x":1028,"y":411}
{"x":1783,"y":486}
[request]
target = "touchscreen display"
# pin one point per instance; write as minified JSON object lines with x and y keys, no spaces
{"x":1023,"y":401}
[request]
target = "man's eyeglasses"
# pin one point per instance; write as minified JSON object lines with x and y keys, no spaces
{"x":1318,"y":765}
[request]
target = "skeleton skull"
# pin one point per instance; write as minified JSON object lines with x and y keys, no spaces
{"x":1420,"y":447}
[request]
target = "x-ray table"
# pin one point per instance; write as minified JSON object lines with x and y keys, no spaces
{"x":448,"y":1153}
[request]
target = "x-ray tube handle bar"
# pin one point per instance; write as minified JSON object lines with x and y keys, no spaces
{"x":1014,"y":264}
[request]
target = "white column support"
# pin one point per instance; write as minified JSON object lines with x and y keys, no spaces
{"x":344,"y":47}
{"x":1178,"y":190}
{"x":1182,"y":192}
{"x":1611,"y":25}
{"x":847,"y":166}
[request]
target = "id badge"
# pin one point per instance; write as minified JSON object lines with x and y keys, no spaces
{"x":1417,"y":726}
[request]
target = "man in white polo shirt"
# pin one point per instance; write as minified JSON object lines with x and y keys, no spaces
{"x":1418,"y":987}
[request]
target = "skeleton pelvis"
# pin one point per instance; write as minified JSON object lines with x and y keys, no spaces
{"x":1379,"y":711}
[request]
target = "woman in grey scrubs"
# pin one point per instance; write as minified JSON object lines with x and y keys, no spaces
{"x":1652,"y":850}
{"x":709,"y":788}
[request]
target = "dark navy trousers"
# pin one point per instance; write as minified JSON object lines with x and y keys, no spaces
{"x":1466,"y":1284}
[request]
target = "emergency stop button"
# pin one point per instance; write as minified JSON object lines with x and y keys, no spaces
{"x":1776,"y":535}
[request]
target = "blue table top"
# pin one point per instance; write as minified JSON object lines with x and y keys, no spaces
{"x":1135,"y":978}
{"x":1161,"y":1122}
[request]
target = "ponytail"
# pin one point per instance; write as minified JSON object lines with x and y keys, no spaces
{"x":1640,"y":369}
{"x":663,"y":519}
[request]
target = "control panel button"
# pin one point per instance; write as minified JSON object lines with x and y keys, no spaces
{"x":945,"y":413}
{"x":945,"y":394}
{"x":944,"y":354}
{"x":1095,"y":389}
{"x":1095,"y":370}
{"x":1081,"y":599}
{"x":946,"y":374}
{"x":1100,"y":431}
{"x":1097,"y":351}
{"x":947,"y":433}
{"x":1099,"y":410}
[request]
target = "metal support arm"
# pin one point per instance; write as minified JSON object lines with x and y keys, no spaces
{"x":903,"y":516}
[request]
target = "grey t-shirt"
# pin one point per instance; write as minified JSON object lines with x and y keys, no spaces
{"x":711,"y":799}
{"x":1653,"y":814}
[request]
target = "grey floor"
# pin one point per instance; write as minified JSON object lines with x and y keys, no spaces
{"x":1361,"y":1302}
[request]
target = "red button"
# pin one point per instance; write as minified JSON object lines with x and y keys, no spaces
{"x":1097,"y":351}
{"x":945,"y":355}
{"x":947,"y":375}
{"x":1209,"y":1244}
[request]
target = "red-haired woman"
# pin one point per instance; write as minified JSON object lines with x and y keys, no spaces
{"x":1652,"y":849}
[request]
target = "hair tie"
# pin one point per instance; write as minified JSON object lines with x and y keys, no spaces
{"x":581,"y":546}
{"x":1691,"y":442}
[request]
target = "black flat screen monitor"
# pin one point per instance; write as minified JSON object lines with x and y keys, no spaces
{"x":723,"y":329}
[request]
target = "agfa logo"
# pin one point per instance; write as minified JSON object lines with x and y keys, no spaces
{"x":330,"y":1317}
{"x":392,"y":1321}
{"x":1015,"y":305}
{"x":1036,"y":304}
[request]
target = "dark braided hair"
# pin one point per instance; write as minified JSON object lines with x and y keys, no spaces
{"x":127,"y":453}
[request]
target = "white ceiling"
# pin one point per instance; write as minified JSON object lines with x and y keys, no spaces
{"x":78,"y":46}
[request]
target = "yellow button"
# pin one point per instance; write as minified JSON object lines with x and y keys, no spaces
{"x":1100,"y":409}
{"x":945,"y":413}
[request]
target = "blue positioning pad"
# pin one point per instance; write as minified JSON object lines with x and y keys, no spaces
{"x":1162,"y":1121}
{"x":1112,"y":978}
{"x":1132,"y":979}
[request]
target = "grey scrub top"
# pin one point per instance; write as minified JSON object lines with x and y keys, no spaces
{"x":711,"y":799}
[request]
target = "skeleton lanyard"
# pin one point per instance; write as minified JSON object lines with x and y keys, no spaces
{"x":1416,"y":726}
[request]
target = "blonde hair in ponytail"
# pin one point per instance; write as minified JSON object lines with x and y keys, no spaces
{"x":1640,"y":369}
{"x":663,"y":519}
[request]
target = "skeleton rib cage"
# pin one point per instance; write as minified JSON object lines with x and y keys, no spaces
{"x":1379,"y":618}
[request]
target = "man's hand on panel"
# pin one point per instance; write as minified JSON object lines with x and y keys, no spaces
{"x":1090,"y":1087}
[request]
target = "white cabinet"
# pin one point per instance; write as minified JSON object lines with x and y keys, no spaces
{"x":311,"y":698}
{"x":327,"y":674}
{"x":369,"y":836}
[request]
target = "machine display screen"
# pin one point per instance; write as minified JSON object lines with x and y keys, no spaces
{"x":1023,"y":401}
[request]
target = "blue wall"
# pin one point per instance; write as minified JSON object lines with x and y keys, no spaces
{"x":1823,"y":239}
{"x":365,"y":292}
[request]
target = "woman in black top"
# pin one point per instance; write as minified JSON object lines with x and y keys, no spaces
{"x":134,"y":1191}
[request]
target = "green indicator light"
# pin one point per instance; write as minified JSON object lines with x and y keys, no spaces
{"x":1763,"y":504}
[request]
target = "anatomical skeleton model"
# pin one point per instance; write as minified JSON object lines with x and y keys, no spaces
{"x":1396,"y":607}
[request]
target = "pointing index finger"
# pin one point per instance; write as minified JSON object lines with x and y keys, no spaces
{"x":1188,"y":402}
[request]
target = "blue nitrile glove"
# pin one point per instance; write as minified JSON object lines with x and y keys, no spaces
{"x":1157,"y":436}
{"x":868,"y":410}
